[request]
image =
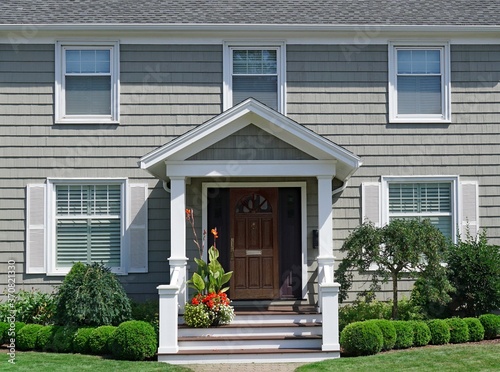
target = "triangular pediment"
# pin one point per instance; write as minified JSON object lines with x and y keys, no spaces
{"x":206,"y":142}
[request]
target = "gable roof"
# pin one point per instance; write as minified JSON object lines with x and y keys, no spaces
{"x":246,"y":113}
{"x":276,"y":12}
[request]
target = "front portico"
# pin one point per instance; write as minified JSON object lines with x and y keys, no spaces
{"x":253,"y":149}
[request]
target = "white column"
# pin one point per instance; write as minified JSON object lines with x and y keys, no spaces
{"x":328,"y":290}
{"x":178,"y":235}
{"x":168,"y":319}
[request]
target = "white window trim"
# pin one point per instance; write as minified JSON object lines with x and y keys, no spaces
{"x":454,"y":180}
{"x":52,"y":268}
{"x":445,"y":116}
{"x":60,"y":104}
{"x":228,"y":68}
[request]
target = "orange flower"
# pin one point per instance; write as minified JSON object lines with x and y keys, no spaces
{"x":188,"y":214}
{"x":214,"y":233}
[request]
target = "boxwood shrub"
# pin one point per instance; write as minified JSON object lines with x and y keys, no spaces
{"x":404,"y":334}
{"x":26,"y":338}
{"x":45,"y":338}
{"x":361,"y":338}
{"x":100,"y":339}
{"x":491,"y":325}
{"x":134,"y":340}
{"x":476,"y":329}
{"x":63,"y":339}
{"x":3,"y":328}
{"x":440,"y":332}
{"x":81,"y":340}
{"x":459,"y":332}
{"x":421,"y":333}
{"x":388,"y":332}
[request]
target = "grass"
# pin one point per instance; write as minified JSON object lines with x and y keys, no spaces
{"x":464,"y":357}
{"x":49,"y":362}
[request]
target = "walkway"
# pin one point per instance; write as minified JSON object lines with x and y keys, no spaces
{"x":253,"y":367}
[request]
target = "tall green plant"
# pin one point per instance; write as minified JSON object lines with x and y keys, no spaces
{"x":401,"y":248}
{"x":91,"y":295}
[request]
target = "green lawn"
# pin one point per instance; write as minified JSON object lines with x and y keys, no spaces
{"x":463,"y":357}
{"x":50,"y":362}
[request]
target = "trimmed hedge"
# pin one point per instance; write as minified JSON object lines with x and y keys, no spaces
{"x":134,"y":340}
{"x":81,"y":340}
{"x":476,"y":329}
{"x":3,"y":328}
{"x":26,"y":338}
{"x":388,"y":332}
{"x":361,"y":338}
{"x":491,"y":324}
{"x":421,"y":333}
{"x":440,"y":332}
{"x":100,"y":340}
{"x":63,"y":339}
{"x":459,"y":332}
{"x":45,"y":338}
{"x":404,"y":334}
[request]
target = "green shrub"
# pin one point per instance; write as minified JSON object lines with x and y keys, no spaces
{"x":404,"y":334}
{"x":26,"y":338}
{"x":30,"y":306}
{"x":491,"y":325}
{"x":63,"y":339}
{"x":81,"y":340}
{"x":421,"y":333}
{"x":361,"y":338}
{"x":388,"y":331}
{"x":3,"y":330}
{"x":147,"y":311}
{"x":474,"y":270}
{"x":134,"y":340}
{"x":45,"y":338}
{"x":459,"y":332}
{"x":100,"y":340}
{"x":476,"y":329}
{"x":362,"y":310}
{"x":91,"y":295}
{"x":440,"y":332}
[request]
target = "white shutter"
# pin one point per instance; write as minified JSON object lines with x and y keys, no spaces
{"x":35,"y":229}
{"x":138,"y":228}
{"x":370,"y":202}
{"x":469,"y":208}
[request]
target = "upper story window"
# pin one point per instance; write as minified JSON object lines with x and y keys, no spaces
{"x":419,"y":83}
{"x":254,"y":71}
{"x":87,"y":82}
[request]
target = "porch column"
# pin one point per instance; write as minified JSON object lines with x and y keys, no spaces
{"x":328,"y":290}
{"x":178,"y":260}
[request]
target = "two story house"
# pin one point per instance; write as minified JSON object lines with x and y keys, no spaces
{"x":284,"y":124}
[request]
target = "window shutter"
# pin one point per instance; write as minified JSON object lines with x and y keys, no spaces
{"x":138,"y":228}
{"x":469,"y":208}
{"x":370,"y":203}
{"x":35,"y":229}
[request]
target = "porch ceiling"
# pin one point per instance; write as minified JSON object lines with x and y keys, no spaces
{"x":250,"y":112}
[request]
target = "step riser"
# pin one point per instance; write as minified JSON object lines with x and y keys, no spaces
{"x":249,"y":344}
{"x":275,"y":319}
{"x":248,"y":358}
{"x":243,"y":332}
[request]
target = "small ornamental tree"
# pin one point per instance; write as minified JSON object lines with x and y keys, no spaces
{"x":400,"y":249}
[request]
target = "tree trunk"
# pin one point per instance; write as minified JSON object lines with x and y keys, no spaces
{"x":394,"y":296}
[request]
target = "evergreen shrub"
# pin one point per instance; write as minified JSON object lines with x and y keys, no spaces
{"x":81,"y":340}
{"x":100,"y":340}
{"x":26,"y":338}
{"x":459,"y":332}
{"x":421,"y":333}
{"x":476,"y":329}
{"x":440,"y":332}
{"x":388,"y":331}
{"x":361,"y":338}
{"x":404,"y":334}
{"x":491,"y":325}
{"x":63,"y":339}
{"x":45,"y":338}
{"x":134,"y":340}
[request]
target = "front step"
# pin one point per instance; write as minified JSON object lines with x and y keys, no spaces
{"x":255,"y":336}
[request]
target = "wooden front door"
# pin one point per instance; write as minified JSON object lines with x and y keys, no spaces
{"x":254,"y":243}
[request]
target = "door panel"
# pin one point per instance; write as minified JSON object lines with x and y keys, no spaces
{"x":254,"y":251}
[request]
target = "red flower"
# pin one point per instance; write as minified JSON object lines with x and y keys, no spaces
{"x":215,"y":233}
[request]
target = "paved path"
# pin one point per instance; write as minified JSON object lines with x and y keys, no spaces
{"x":246,"y":367}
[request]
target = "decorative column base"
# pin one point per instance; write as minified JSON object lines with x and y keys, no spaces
{"x":329,"y":295}
{"x":168,"y":319}
{"x":179,"y":265}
